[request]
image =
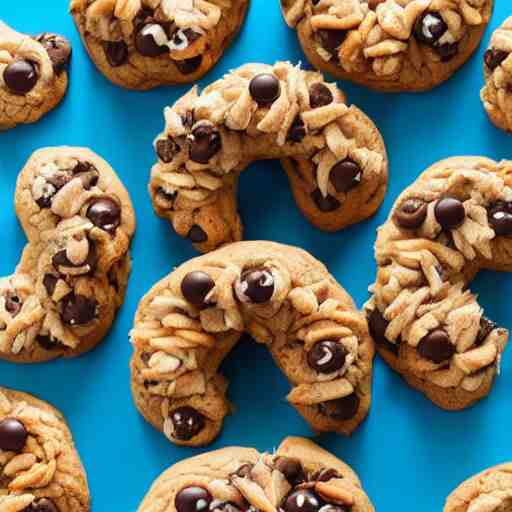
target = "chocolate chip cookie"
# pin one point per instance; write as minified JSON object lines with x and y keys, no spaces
{"x":389,"y":45}
{"x":298,"y":477}
{"x":489,"y":491}
{"x":33,"y":75}
{"x":41,"y":470}
{"x":497,"y":92}
{"x":141,"y":44}
{"x":332,"y":152}
{"x":284,"y":298}
{"x":79,"y":221}
{"x":454,"y":220}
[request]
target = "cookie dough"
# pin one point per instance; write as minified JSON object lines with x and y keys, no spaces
{"x":497,"y":92}
{"x":454,"y":220}
{"x":141,"y":44}
{"x":298,"y":477}
{"x":389,"y":45}
{"x":333,"y":154}
{"x":284,"y":298}
{"x":73,"y":272}
{"x":33,"y":75}
{"x":489,"y":491}
{"x":41,"y":470}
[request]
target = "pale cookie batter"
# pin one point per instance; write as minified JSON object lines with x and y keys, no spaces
{"x":454,"y":220}
{"x":79,"y":221}
{"x":332,"y":152}
{"x":141,"y":44}
{"x":41,"y":470}
{"x":497,"y":92}
{"x":284,"y":298}
{"x":390,"y":45}
{"x":298,"y":477}
{"x":33,"y":75}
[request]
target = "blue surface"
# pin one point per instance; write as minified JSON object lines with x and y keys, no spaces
{"x":409,"y":453}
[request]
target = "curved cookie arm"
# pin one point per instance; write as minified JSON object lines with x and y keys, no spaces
{"x":284,"y":298}
{"x":142,"y":44}
{"x":389,"y":45}
{"x":41,"y":469}
{"x":72,"y":276}
{"x":333,"y":154}
{"x":242,"y":478}
{"x":455,"y":219}
{"x":496,"y":94}
{"x":33,"y":76}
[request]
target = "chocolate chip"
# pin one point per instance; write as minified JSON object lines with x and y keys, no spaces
{"x":486,"y":327}
{"x":197,"y":235}
{"x":87,"y":173}
{"x":325,"y":204}
{"x":77,"y":309}
{"x":189,"y":66}
{"x":302,"y":500}
{"x":244,"y":470}
{"x":188,"y":422}
{"x":170,"y":197}
{"x":20,"y":76}
{"x":378,"y":325}
{"x":47,"y":343}
{"x":12,"y":304}
{"x":341,"y":409}
{"x":447,"y":51}
{"x":256,"y":286}
{"x":411,"y":214}
{"x":60,"y":259}
{"x":436,"y":346}
{"x":500,"y":218}
{"x":42,"y":505}
{"x":450,"y":213}
{"x":205,"y":143}
{"x":57,"y":48}
{"x":297,"y":130}
{"x":292,"y":470}
{"x":13,"y":435}
{"x":429,"y":28}
{"x":319,"y":95}
{"x":145,"y":41}
{"x":116,"y":52}
{"x":166,"y":149}
{"x":196,"y":286}
{"x":331,"y":40}
{"x":326,"y":474}
{"x":345,"y":175}
{"x":265,"y":89}
{"x":327,"y":356}
{"x":193,"y":499}
{"x":50,"y":282}
{"x":105,"y":213}
{"x":494,"y":57}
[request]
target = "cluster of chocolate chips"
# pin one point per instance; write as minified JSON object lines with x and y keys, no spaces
{"x":429,"y":30}
{"x":494,"y":57}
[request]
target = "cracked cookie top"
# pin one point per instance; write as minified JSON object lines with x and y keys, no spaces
{"x":286,"y":300}
{"x":389,"y":44}
{"x":41,"y":471}
{"x":79,"y":221}
{"x":441,"y":230}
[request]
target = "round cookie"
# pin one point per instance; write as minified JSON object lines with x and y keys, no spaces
{"x":496,"y":94}
{"x":33,"y":75}
{"x":79,"y":221}
{"x":333,"y":154}
{"x":389,"y":45}
{"x":142,"y":44}
{"x":298,"y":476}
{"x":284,"y":298}
{"x":489,"y":491}
{"x":454,"y":220}
{"x":41,"y":470}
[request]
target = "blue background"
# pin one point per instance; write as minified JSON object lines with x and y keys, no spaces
{"x":409,"y":453}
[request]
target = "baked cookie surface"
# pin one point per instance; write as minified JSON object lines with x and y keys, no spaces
{"x":332,"y":152}
{"x":496,"y":95}
{"x":453,"y":221}
{"x":284,"y":298}
{"x":298,"y":476}
{"x":141,"y":44}
{"x":72,"y":276}
{"x":390,"y":45}
{"x":33,"y":75}
{"x":41,"y":470}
